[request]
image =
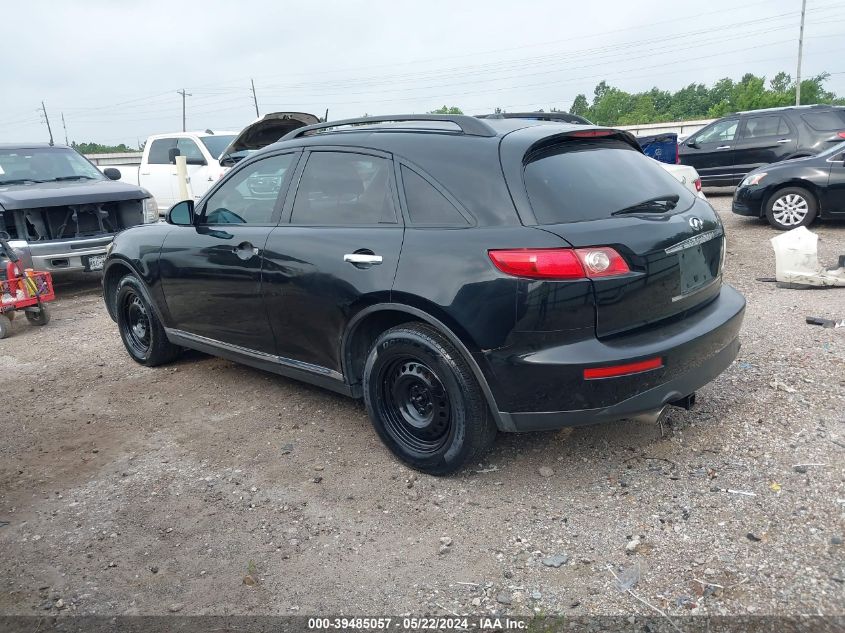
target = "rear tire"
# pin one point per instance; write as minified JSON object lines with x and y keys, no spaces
{"x":424,"y":400}
{"x":791,"y":207}
{"x":5,"y":326}
{"x":141,"y":331}
{"x":42,"y":317}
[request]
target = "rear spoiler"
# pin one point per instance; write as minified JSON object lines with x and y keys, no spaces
{"x":580,"y":135}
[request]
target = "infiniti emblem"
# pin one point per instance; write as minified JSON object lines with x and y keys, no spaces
{"x":696,"y":223}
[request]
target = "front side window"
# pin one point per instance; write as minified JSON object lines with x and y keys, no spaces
{"x":769,"y":125}
{"x":344,"y":188}
{"x":249,"y":196}
{"x":160,"y":151}
{"x":216,"y":144}
{"x":720,"y":131}
{"x":191,"y":152}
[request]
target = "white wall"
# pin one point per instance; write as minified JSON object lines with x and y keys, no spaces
{"x":681,"y":128}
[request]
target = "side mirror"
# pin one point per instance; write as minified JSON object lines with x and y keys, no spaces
{"x":692,"y":144}
{"x":194,"y":160}
{"x":181,"y":213}
{"x":111,"y":173}
{"x":172,"y":153}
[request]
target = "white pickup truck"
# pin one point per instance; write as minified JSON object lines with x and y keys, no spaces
{"x":208,"y":155}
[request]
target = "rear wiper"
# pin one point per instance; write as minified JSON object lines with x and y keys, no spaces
{"x":658,"y":204}
{"x":60,"y":178}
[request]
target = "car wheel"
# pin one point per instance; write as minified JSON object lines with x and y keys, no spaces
{"x":424,"y":400}
{"x":41,"y":317}
{"x":141,"y":332}
{"x":790,"y":208}
{"x":5,"y":326}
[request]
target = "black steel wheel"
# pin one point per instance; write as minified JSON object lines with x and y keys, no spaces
{"x":424,"y":400}
{"x":141,"y":332}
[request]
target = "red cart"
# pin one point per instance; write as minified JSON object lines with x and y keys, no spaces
{"x":28,"y":293}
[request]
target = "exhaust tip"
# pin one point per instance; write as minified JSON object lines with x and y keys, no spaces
{"x":652,"y":417}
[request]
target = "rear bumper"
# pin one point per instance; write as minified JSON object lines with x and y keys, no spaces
{"x":66,"y":255}
{"x":695,"y":350}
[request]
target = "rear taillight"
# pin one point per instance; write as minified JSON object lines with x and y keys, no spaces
{"x":698,"y":184}
{"x":560,"y":263}
{"x":841,"y":134}
{"x":677,"y":155}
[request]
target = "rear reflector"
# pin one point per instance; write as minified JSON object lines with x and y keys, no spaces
{"x":612,"y":371}
{"x":841,"y":134}
{"x":560,"y":263}
{"x":698,"y":184}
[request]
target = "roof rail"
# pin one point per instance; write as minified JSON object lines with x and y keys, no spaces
{"x":566,"y":117}
{"x":789,"y":107}
{"x":469,"y":125}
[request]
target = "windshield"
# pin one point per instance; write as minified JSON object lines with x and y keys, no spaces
{"x":45,"y":164}
{"x":216,"y":144}
{"x":585,"y":180}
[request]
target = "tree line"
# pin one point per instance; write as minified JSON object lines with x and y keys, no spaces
{"x":613,"y":106}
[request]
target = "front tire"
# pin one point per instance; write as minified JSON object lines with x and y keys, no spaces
{"x":40,"y":317}
{"x":424,"y":400}
{"x":142,"y":333}
{"x":790,"y":208}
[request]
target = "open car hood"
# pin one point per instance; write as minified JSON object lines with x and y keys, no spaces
{"x":266,"y":130}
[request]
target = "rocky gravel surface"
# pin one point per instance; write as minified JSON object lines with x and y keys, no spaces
{"x":207,"y":487}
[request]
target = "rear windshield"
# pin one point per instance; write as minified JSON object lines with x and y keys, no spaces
{"x":825,"y":121}
{"x":590,"y":180}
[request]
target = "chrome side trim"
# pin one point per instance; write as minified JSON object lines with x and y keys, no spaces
{"x":694,"y":241}
{"x":263,"y":356}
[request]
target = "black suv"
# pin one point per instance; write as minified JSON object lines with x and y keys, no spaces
{"x":462,"y":275}
{"x":726,"y":150}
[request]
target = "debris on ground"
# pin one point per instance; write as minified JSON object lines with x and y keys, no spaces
{"x":797,"y":262}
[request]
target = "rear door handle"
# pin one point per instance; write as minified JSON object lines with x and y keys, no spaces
{"x":362,"y":259}
{"x":245,"y":251}
{"x":785,"y":140}
{"x":724,"y":147}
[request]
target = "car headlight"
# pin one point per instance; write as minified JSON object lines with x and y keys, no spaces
{"x":150,"y":210}
{"x":752,"y":180}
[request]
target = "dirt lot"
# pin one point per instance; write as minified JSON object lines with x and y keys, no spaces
{"x":126,"y":490}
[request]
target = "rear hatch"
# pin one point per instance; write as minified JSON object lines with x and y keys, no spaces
{"x":264,"y":131}
{"x":602,"y":191}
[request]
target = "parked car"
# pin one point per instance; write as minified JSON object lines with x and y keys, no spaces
{"x":794,"y":193}
{"x":462,"y":275}
{"x":208,"y":155}
{"x":725,"y":151}
{"x":687,"y":176}
{"x":60,"y":211}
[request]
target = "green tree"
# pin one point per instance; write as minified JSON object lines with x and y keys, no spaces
{"x":97,"y":148}
{"x":581,"y":107}
{"x":447,"y":110}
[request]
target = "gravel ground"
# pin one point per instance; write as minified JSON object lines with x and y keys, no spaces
{"x":208,"y":487}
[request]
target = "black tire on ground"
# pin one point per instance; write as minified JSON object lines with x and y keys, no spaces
{"x":5,"y":326}
{"x":141,"y":332}
{"x":424,"y":400}
{"x":791,"y":207}
{"x":42,"y":317}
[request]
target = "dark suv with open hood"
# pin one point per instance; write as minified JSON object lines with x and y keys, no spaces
{"x":462,"y":275}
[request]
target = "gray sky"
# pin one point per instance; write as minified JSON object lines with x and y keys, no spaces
{"x":113,"y":68}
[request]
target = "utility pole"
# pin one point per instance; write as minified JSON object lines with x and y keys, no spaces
{"x":800,"y":53}
{"x":184,"y":94}
{"x":254,"y":98}
{"x":47,"y":120}
{"x":65,"y":128}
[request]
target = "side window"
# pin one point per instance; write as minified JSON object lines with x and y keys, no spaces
{"x":761,"y":126}
{"x":718,"y":132}
{"x":426,"y":205}
{"x":160,"y":150}
{"x":249,"y":196}
{"x":343,"y":188}
{"x":188,"y":148}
